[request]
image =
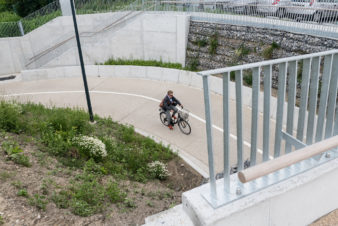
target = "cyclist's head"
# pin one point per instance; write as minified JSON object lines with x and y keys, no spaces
{"x":170,"y":93}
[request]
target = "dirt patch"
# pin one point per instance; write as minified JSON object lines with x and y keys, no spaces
{"x":47,"y":176}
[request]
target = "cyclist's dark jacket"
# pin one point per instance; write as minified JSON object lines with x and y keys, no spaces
{"x":167,"y":102}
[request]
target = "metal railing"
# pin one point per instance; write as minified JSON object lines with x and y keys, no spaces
{"x":31,"y":21}
{"x":313,"y":119}
{"x":312,"y":21}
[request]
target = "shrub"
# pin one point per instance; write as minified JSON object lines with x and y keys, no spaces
{"x":158,"y":170}
{"x":10,"y":117}
{"x":23,"y":193}
{"x":213,"y":43}
{"x":114,"y":193}
{"x":90,"y":147}
{"x":38,"y":201}
{"x":14,"y":153}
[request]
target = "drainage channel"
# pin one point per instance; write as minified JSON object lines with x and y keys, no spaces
{"x":4,"y":78}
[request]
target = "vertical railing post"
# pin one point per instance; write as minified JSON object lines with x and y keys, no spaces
{"x":291,"y":101}
{"x":239,"y":119}
{"x":303,"y":97}
{"x":22,"y":32}
{"x":209,"y":137}
{"x":254,"y":117}
{"x":280,"y":107}
{"x":226,"y":79}
{"x":315,"y":66}
{"x":323,"y":97}
{"x":329,"y":126}
{"x":266,"y":113}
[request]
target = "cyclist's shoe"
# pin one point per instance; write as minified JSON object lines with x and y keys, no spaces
{"x":170,"y":127}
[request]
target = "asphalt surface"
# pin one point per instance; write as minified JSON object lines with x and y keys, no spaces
{"x":135,"y":102}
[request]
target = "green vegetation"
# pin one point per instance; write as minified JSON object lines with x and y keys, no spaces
{"x":268,"y":52}
{"x":23,"y":193}
{"x":213,"y":43}
{"x":38,"y":201}
{"x":241,"y":52}
{"x":8,"y":17}
{"x":14,"y":153}
{"x":29,"y":24}
{"x":150,"y":63}
{"x":95,"y":6}
{"x":201,"y":43}
{"x":120,"y":154}
{"x":1,"y":220}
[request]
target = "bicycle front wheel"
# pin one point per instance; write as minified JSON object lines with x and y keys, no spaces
{"x":163,"y":118}
{"x":184,"y":127}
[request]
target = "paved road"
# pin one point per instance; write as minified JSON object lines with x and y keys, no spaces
{"x":135,"y":102}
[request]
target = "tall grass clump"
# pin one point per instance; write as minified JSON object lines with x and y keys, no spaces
{"x":148,"y":63}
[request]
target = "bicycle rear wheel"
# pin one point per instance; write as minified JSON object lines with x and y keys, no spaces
{"x":184,"y":127}
{"x":163,"y":118}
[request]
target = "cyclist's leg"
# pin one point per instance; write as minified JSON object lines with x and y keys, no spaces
{"x":168,"y":116}
{"x":174,"y":109}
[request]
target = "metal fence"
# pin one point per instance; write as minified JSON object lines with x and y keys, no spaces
{"x":30,"y":22}
{"x":321,"y":22}
{"x":317,"y":116}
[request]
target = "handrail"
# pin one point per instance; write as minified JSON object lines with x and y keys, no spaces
{"x":287,"y":160}
{"x":265,"y":63}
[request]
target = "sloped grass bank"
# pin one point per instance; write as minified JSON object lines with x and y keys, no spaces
{"x":53,"y":159}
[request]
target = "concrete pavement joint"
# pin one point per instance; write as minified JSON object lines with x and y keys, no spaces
{"x":135,"y":95}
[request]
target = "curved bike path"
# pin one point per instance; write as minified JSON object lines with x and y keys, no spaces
{"x":135,"y":102}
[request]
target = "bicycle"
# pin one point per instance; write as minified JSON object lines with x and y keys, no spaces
{"x":181,"y":120}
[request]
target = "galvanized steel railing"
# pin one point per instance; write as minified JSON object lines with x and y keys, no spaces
{"x":312,"y":21}
{"x":317,"y":116}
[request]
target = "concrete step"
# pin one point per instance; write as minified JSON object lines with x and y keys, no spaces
{"x":171,"y":217}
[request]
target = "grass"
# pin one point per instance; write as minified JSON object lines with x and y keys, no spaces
{"x":241,"y":52}
{"x":29,"y":24}
{"x":151,"y":63}
{"x":2,"y":221}
{"x":213,"y":43}
{"x":52,"y":130}
{"x":7,"y":16}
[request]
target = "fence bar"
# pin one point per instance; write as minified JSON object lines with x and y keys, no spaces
{"x":303,"y":97}
{"x":280,"y":107}
{"x":287,"y":160}
{"x":22,"y":32}
{"x":290,"y":139}
{"x":332,"y":98}
{"x":239,"y":118}
{"x":266,"y":114}
{"x":291,"y":101}
{"x":254,"y":116}
{"x":312,"y":99}
{"x":226,"y":79}
{"x":323,"y":97}
{"x":209,"y":137}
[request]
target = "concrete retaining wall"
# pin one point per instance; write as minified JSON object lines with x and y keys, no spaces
{"x":131,"y":35}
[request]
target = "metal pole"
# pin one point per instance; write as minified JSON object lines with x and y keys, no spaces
{"x":209,"y":138}
{"x":81,"y":62}
{"x":21,"y":28}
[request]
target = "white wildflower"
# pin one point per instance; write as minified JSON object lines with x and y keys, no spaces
{"x":159,"y":170}
{"x":91,"y":145}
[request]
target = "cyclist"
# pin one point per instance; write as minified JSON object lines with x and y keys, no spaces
{"x":169,"y":104}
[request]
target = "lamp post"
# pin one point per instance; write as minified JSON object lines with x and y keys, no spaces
{"x":81,"y":63}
